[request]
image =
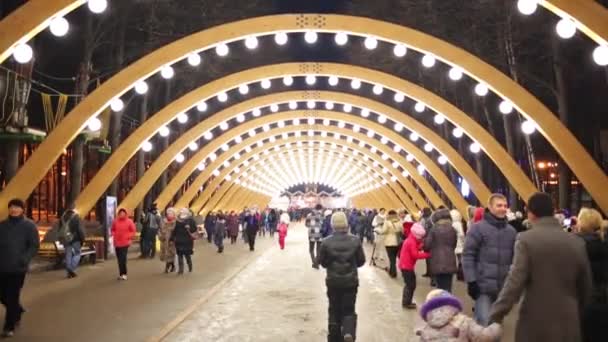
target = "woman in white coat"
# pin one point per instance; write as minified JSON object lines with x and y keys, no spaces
{"x":457,"y":224}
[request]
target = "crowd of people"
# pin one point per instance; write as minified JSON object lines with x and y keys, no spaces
{"x":557,"y":267}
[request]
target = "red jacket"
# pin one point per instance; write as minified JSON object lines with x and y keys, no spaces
{"x":122,"y":232}
{"x":407,"y":226}
{"x":282,"y":229}
{"x":410,"y":253}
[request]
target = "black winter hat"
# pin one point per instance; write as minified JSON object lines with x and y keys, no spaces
{"x":441,"y":214}
{"x":16,"y":202}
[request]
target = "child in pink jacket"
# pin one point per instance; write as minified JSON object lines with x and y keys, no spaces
{"x":282,"y":231}
{"x":411,"y":251}
{"x":445,"y":321}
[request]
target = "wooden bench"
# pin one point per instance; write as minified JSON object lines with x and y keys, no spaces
{"x":55,"y":250}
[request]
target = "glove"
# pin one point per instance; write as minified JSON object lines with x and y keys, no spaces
{"x":473,"y":290}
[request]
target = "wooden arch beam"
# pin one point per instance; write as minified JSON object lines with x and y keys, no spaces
{"x":206,"y":194}
{"x":569,"y":148}
{"x":450,"y":190}
{"x":223,"y":186}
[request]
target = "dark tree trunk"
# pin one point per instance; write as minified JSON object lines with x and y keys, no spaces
{"x":141,"y":155}
{"x":562,"y":109}
{"x":11,"y":164}
{"x":76,"y":164}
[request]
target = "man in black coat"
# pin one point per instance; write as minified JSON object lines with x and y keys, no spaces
{"x":18,"y":245}
{"x":341,"y":254}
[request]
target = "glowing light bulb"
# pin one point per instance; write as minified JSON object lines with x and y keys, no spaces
{"x":59,"y":26}
{"x":341,"y":38}
{"x":222,"y":50}
{"x":194,"y":59}
{"x":370,"y":43}
{"x":23,"y":53}
{"x":167,"y":72}
{"x":399,"y":50}
{"x":251,"y":42}
{"x":428,"y":61}
{"x":141,"y":87}
{"x":311,"y":37}
{"x":281,"y":38}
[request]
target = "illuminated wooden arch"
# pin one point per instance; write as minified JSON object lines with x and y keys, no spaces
{"x":139,"y":190}
{"x":102,"y":180}
{"x":98,"y":184}
{"x":247,"y":197}
{"x":384,"y":196}
{"x":214,"y":196}
{"x":590,"y":17}
{"x":488,"y":143}
{"x":441,"y":179}
{"x":192,"y":191}
{"x":571,"y":151}
{"x":377,"y":198}
{"x":83,"y":203}
{"x":33,"y":16}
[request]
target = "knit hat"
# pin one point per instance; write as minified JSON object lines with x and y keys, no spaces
{"x":16,"y":202}
{"x":339,"y":221}
{"x":327,"y":212}
{"x":441,"y":214}
{"x":170,"y":210}
{"x":418,"y":231}
{"x":439,"y":298}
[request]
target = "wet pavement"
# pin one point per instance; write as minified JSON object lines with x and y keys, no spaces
{"x":280,"y":297}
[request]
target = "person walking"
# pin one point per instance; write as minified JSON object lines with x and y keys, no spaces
{"x":251,"y":228}
{"x":551,"y":271}
{"x":460,"y":236}
{"x":220,"y":232}
{"x":487,"y":256}
{"x":595,"y":315}
{"x":183,"y":236}
{"x":72,"y":236}
{"x":243,"y":218}
{"x":411,"y":251}
{"x":273,"y":221}
{"x":210,"y":225}
{"x":232,"y":225}
{"x":152,"y":223}
{"x":360,"y":227}
{"x":123,"y":230}
{"x":314,"y":222}
{"x":378,"y":220}
{"x":441,"y":242}
{"x":19,"y":243}
{"x":167,"y":247}
{"x":283,"y":227}
{"x":341,"y":254}
{"x":326,"y":226}
{"x":390,"y":231}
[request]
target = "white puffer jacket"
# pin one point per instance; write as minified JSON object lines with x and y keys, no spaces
{"x":457,"y":224}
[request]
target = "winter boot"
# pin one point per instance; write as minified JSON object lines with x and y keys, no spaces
{"x":189,"y":266}
{"x":349,"y":328}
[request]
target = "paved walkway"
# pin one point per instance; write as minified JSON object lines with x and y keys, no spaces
{"x":266,"y":295}
{"x":279,"y":297}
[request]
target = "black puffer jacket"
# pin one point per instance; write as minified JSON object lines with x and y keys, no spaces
{"x":597,"y":252}
{"x":341,"y":254}
{"x":18,"y":244}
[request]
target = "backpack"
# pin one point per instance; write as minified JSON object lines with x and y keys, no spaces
{"x":64,"y":235}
